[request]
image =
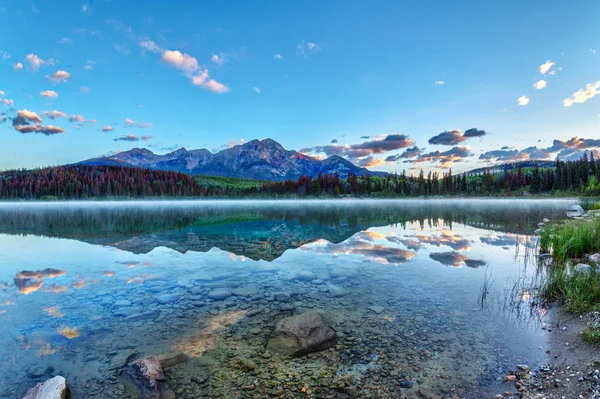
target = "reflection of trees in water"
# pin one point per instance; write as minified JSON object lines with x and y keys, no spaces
{"x":244,"y":227}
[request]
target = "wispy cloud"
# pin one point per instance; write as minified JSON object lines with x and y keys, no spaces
{"x":572,"y":148}
{"x":54,"y":114}
{"x":278,"y":57}
{"x":108,"y":128}
{"x":305,"y":48}
{"x":456,"y":136}
{"x":36,"y":62}
{"x":218,"y":59}
{"x":131,"y":137}
{"x":84,"y":89}
{"x":65,"y":40}
{"x":122,"y":48}
{"x":581,"y":96}
{"x":256,"y":89}
{"x":49,"y":94}
{"x":76,"y":118}
{"x":440,"y":82}
{"x":129,"y":122}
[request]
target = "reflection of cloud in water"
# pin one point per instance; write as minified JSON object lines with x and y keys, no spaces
{"x":54,"y":312}
{"x":456,"y":259}
{"x":68,"y":332}
{"x":356,"y":245}
{"x":56,"y":288}
{"x":206,"y":339}
{"x":31,"y":281}
{"x":109,"y":273}
{"x":445,"y":238}
{"x":78,"y":284}
{"x":500,"y":240}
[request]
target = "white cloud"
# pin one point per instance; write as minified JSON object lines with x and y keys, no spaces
{"x":7,"y":102}
{"x":540,"y":84}
{"x":29,"y":116}
{"x":122,"y":48}
{"x":108,"y":128}
{"x":84,"y":89}
{"x":35,"y":62}
{"x":581,"y":96}
{"x":214,"y":86}
{"x":76,"y":118}
{"x":60,"y":76}
{"x":49,"y":94}
{"x":218,"y":59}
{"x":545,"y":67}
{"x":256,"y":89}
{"x":440,"y":82}
{"x":2,"y":94}
{"x":199,"y":78}
{"x":592,"y":51}
{"x":183,"y":62}
{"x":277,"y":57}
{"x":18,"y":66}
{"x":523,"y":100}
{"x":5,"y":55}
{"x":65,"y":40}
{"x":305,"y":48}
{"x":87,"y":67}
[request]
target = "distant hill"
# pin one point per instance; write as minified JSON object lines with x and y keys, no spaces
{"x":513,"y":165}
{"x":257,"y":159}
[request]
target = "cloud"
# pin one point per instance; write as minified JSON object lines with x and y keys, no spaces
{"x":440,"y":82}
{"x":2,"y":94}
{"x":408,"y":153}
{"x":277,"y":57}
{"x":25,"y":117}
{"x":30,"y":122}
{"x":454,"y":137}
{"x":305,"y":48}
{"x":367,"y":148}
{"x":122,"y":48}
{"x":581,"y":96}
{"x":131,"y":137}
{"x":444,"y":158}
{"x":334,"y":141}
{"x":18,"y":66}
{"x":7,"y":102}
{"x":129,"y":122}
{"x":59,"y":76}
{"x":540,"y":84}
{"x":49,"y":94}
{"x":218,"y":59}
{"x":190,"y":67}
{"x":76,"y":118}
{"x":545,"y":67}
{"x":256,"y":89}
{"x":108,"y":128}
{"x":572,"y":148}
{"x":55,"y":114}
{"x":65,"y":40}
{"x":523,"y":100}
{"x":214,"y":86}
{"x":370,"y":161}
{"x":36,"y":62}
{"x":150,"y":46}
{"x":84,"y":89}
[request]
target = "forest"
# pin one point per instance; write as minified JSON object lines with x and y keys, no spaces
{"x":579,"y":177}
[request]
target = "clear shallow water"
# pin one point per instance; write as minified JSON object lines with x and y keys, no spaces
{"x":83,"y":285}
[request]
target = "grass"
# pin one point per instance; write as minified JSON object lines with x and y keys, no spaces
{"x":591,"y":336}
{"x":569,"y":242}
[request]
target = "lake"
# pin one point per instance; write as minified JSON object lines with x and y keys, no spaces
{"x":87,"y":287}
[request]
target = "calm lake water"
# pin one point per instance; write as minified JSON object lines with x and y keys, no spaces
{"x":84,"y":287}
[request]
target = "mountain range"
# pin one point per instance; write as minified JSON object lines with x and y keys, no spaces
{"x":257,"y":159}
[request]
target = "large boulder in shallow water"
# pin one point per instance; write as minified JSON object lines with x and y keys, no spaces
{"x":575,"y":211}
{"x":301,"y":334}
{"x":145,"y":379}
{"x":54,"y":388}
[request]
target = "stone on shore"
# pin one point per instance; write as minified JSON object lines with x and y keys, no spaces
{"x":582,"y":268}
{"x":54,"y":388}
{"x":301,"y":334}
{"x":575,"y":211}
{"x":145,"y":378}
{"x":595,"y":259}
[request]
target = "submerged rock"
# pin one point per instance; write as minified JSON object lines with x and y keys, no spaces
{"x":301,"y":334}
{"x":54,"y":388}
{"x":376,"y":308}
{"x":167,"y":298}
{"x":219,"y":294}
{"x":248,"y":290}
{"x":145,"y":379}
{"x":171,"y":359}
{"x":336,"y":291}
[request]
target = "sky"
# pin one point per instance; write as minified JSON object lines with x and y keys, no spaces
{"x":387,"y":85}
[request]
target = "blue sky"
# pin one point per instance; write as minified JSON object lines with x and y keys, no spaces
{"x":378,"y":77}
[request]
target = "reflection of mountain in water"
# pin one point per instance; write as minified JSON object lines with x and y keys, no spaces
{"x":258,"y":230}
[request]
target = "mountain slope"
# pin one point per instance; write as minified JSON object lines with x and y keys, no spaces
{"x":257,"y":159}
